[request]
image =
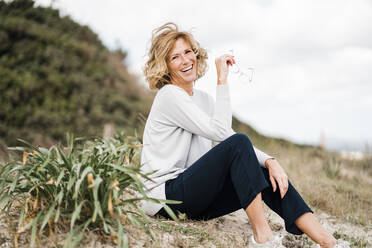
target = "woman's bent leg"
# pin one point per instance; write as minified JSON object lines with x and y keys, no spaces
{"x":226,"y":202}
{"x":200,"y":186}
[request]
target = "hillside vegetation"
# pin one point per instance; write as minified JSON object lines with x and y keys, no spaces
{"x":57,"y":76}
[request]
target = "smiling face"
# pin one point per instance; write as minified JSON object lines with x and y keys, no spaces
{"x":182,"y":63}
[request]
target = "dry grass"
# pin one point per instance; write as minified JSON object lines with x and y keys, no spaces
{"x":338,"y":186}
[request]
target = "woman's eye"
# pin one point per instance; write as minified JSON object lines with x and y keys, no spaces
{"x":174,"y":57}
{"x":188,"y":51}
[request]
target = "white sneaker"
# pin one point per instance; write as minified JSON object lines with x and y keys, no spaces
{"x":340,"y":244}
{"x":274,"y":242}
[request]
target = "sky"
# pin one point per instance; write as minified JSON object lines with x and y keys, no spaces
{"x":312,"y":60}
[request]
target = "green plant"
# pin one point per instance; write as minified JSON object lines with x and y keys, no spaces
{"x":332,"y":167}
{"x":91,"y":183}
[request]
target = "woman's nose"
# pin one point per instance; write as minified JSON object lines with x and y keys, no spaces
{"x":185,"y":59}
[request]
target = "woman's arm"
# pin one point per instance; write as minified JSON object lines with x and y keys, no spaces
{"x":175,"y":107}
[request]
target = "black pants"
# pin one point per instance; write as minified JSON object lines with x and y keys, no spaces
{"x":228,"y":178}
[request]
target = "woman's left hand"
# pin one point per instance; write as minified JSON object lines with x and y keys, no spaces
{"x":277,"y":176}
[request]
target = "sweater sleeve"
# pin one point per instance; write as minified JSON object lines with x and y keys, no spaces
{"x":178,"y":109}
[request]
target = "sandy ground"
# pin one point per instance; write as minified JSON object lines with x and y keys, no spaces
{"x":234,"y":230}
{"x":231,"y":230}
{"x":238,"y":223}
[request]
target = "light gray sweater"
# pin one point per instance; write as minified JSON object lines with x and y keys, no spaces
{"x":179,"y":130}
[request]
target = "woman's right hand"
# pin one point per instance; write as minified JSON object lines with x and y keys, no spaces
{"x":222,"y":65}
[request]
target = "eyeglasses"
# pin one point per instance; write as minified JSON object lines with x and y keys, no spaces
{"x":244,"y":74}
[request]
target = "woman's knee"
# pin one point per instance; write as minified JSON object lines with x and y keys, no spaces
{"x":240,"y":138}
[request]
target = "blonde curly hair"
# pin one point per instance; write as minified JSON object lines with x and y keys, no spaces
{"x":163,"y":38}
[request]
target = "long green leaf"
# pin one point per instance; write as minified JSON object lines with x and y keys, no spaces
{"x":120,"y":234}
{"x":170,"y":212}
{"x":133,"y":220}
{"x":77,"y":239}
{"x":33,"y":233}
{"x":56,"y":217}
{"x":27,"y":143}
{"x":47,"y":217}
{"x":62,"y":155}
{"x":18,"y":148}
{"x":71,"y":182}
{"x":67,"y":242}
{"x":4,"y":201}
{"x":59,"y":197}
{"x":70,"y":143}
{"x":76,"y":214}
{"x":81,"y":179}
{"x":61,"y":175}
{"x":21,"y":216}
{"x":97,"y":205}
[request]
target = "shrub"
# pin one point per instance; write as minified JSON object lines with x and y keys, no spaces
{"x":91,"y":183}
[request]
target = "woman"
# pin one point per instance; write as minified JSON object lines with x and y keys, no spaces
{"x":211,"y":182}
